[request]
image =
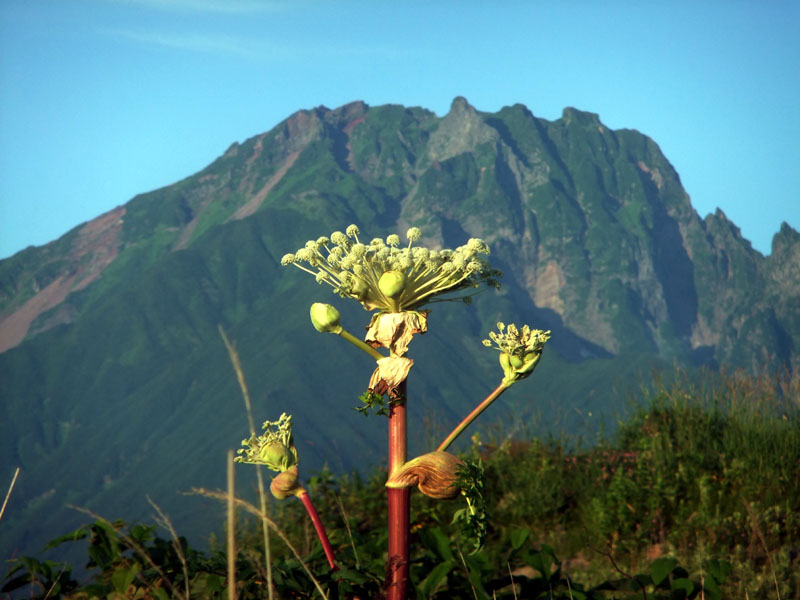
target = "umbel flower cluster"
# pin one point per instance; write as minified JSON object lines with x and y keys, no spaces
{"x":275,"y":448}
{"x":389,"y":278}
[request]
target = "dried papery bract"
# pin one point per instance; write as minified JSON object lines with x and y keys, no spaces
{"x":387,"y":377}
{"x":435,"y":474}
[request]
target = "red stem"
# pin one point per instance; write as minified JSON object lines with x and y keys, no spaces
{"x":323,"y":537}
{"x":399,"y":503}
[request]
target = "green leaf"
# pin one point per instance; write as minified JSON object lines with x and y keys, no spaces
{"x":718,"y":569}
{"x":711,"y":589}
{"x":73,"y":536}
{"x":123,"y":578}
{"x":436,"y":577}
{"x":519,"y":537}
{"x":437,"y":542}
{"x":350,"y":575}
{"x":161,"y":594}
{"x":682,"y":584}
{"x":542,"y":562}
{"x":142,"y":533}
{"x":661,"y":568}
{"x":16,"y":582}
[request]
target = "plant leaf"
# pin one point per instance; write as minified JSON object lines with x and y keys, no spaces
{"x":661,"y":568}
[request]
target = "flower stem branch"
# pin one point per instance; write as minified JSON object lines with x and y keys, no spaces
{"x":361,"y":345}
{"x":472,"y":416}
{"x":320,"y":528}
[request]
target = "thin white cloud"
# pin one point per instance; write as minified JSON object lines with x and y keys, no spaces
{"x":251,"y":48}
{"x":213,"y":6}
{"x":195,"y":42}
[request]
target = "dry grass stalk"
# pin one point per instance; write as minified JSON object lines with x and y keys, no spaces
{"x":163,"y":521}
{"x":8,"y":495}
{"x":466,"y":570}
{"x":349,"y":532}
{"x":262,"y":496}
{"x":231,"y":497}
{"x":760,"y":535}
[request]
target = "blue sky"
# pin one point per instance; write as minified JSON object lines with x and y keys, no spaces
{"x":104,"y":99}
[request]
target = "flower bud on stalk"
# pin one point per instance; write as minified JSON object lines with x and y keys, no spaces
{"x":285,"y":484}
{"x":325,"y":318}
{"x":520,"y":350}
{"x":392,"y":283}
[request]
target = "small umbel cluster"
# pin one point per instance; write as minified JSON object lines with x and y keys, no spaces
{"x":520,"y":350}
{"x":275,"y":449}
{"x":383,"y":276}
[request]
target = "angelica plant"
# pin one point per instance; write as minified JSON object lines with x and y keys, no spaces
{"x":397,"y":281}
{"x":276,"y":450}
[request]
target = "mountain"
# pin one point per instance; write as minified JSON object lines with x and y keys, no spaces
{"x":116,"y":383}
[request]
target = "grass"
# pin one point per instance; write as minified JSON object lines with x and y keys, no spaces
{"x":696,"y":495}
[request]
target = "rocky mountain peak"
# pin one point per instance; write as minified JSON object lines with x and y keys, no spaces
{"x":460,"y":130}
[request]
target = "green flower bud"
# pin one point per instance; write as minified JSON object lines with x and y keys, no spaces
{"x":515,"y":361}
{"x":520,"y":350}
{"x":508,"y":368}
{"x":392,"y":283}
{"x":325,"y":318}
{"x":274,"y":449}
{"x":359,"y":289}
{"x":277,"y":456}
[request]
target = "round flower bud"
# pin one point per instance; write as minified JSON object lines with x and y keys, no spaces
{"x":277,"y":456}
{"x":392,"y":283}
{"x":285,"y":484}
{"x":325,"y":318}
{"x":359,"y":288}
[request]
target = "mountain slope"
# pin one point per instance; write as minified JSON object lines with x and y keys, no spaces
{"x":116,"y":383}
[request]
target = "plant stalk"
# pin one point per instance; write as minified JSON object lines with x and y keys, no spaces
{"x":472,"y":416}
{"x":399,"y":503}
{"x":8,"y":495}
{"x":363,"y":346}
{"x":231,"y":530}
{"x":323,"y":537}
